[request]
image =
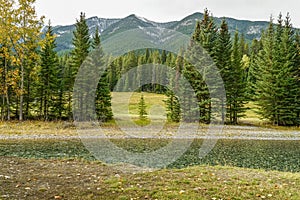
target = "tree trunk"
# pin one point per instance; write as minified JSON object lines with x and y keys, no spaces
{"x":41,"y":102}
{"x":8,"y":106}
{"x":27,"y":100}
{"x":21,"y":96}
{"x":7,"y":93}
{"x":2,"y":107}
{"x":46,"y":105}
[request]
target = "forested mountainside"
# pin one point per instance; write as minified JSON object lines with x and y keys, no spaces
{"x":110,"y":27}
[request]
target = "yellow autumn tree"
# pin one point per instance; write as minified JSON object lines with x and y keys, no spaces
{"x":21,"y":29}
{"x":9,"y":75}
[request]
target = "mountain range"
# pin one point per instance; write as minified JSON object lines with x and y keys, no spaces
{"x":110,"y":27}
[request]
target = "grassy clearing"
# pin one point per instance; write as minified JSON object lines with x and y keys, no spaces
{"x":76,"y":179}
{"x":123,"y":111}
{"x":124,"y":103}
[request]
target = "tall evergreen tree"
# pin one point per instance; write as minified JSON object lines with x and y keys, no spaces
{"x":103,"y":96}
{"x":222,"y":59}
{"x":204,"y":36}
{"x":49,"y":76}
{"x":265,"y":74}
{"x":172,"y":102}
{"x":288,"y":77}
{"x":277,"y":85}
{"x":236,"y":89}
{"x":297,"y":43}
{"x":61,"y":85}
{"x":103,"y":100}
{"x":82,"y":44}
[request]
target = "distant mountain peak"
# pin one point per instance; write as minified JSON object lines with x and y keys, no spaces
{"x":143,"y":19}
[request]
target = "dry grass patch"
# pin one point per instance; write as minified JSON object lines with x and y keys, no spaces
{"x":76,"y":179}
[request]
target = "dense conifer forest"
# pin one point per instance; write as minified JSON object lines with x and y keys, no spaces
{"x":37,"y":83}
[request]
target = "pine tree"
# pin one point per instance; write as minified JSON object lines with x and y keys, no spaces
{"x":204,"y":36}
{"x":265,"y":74}
{"x":82,"y":44}
{"x":277,"y":85}
{"x":172,"y":102}
{"x":103,"y":96}
{"x":155,"y":72}
{"x":256,"y":46}
{"x":142,"y":109}
{"x":173,"y":107}
{"x":297,"y":43}
{"x":112,"y":74}
{"x":222,"y":59}
{"x":244,"y":47}
{"x":130,"y":61}
{"x":96,"y":39}
{"x":49,"y":76}
{"x":61,"y":102}
{"x":287,"y":79}
{"x":103,"y":100}
{"x":236,"y":89}
{"x":206,"y":33}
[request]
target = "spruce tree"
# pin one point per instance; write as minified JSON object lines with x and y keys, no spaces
{"x":103,"y":100}
{"x":142,"y":109}
{"x":297,"y":43}
{"x":236,"y":89}
{"x":287,"y":79}
{"x":265,"y":74}
{"x":49,"y":76}
{"x":256,"y":46}
{"x":172,"y":102}
{"x":96,"y":42}
{"x":173,"y":107}
{"x":206,"y":33}
{"x":61,"y":84}
{"x":82,"y":44}
{"x":155,"y":72}
{"x":204,"y":36}
{"x":277,"y":85}
{"x":244,"y":46}
{"x":129,"y":62}
{"x":223,"y":50}
{"x":103,"y":96}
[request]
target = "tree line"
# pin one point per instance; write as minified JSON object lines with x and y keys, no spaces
{"x":37,"y":83}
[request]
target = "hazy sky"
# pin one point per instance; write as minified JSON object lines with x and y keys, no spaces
{"x":63,"y":12}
